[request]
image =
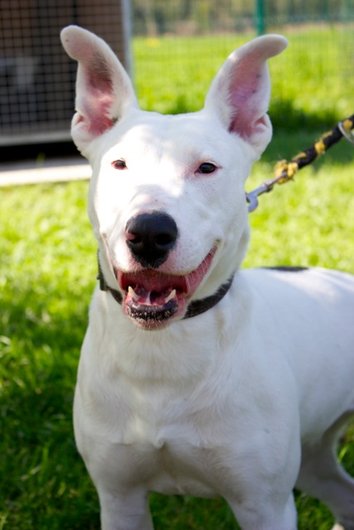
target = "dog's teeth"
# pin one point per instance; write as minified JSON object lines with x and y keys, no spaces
{"x":132,"y":293}
{"x":172,"y":295}
{"x":148,"y":299}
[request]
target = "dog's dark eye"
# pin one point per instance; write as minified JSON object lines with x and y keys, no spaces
{"x":119,"y":164}
{"x":206,"y":167}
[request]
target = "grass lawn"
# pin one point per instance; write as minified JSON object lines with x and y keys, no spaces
{"x":47,"y":273}
{"x":312,"y":81}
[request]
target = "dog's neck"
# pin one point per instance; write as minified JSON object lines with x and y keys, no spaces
{"x":195,"y":308}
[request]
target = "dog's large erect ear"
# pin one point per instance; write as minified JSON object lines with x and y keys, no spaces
{"x":240,"y":92}
{"x":103,"y":88}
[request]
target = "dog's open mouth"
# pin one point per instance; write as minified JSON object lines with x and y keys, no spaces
{"x":151,"y":297}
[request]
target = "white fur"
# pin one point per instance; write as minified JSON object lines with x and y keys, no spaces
{"x":247,"y":399}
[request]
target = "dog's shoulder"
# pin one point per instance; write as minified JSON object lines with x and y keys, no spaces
{"x":314,"y":282}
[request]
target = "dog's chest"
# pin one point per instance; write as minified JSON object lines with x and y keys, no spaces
{"x":182,"y":468}
{"x":177,"y":457}
{"x":167,"y":439}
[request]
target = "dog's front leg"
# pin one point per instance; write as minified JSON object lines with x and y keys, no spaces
{"x":129,"y":511}
{"x":267,"y":514}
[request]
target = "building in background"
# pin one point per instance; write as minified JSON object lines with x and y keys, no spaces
{"x":36,"y":77}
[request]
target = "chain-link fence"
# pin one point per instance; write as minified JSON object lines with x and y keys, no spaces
{"x":313,"y":81}
{"x":36,"y":77}
{"x":157,"y":17}
{"x":176,"y":45}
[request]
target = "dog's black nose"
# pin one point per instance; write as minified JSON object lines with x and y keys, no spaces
{"x":150,"y":237}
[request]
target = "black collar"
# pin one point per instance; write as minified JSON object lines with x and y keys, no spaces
{"x":197,"y":307}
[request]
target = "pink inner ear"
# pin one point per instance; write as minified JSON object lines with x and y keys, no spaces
{"x":242,"y":124}
{"x":246,"y":96}
{"x":98,"y":99}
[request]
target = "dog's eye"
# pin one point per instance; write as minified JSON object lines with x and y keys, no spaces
{"x":119,"y":164}
{"x":206,"y":167}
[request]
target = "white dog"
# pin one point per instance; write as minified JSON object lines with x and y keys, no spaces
{"x":195,"y":377}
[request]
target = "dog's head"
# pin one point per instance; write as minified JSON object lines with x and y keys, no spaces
{"x":167,"y":199}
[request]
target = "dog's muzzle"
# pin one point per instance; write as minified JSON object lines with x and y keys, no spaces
{"x":151,"y":298}
{"x":148,"y":295}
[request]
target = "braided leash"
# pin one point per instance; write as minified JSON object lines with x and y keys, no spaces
{"x":285,"y":171}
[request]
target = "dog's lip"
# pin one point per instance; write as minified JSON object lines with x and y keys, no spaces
{"x":156,"y":295}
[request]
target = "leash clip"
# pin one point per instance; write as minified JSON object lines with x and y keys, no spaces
{"x":346,"y":128}
{"x":252,"y":196}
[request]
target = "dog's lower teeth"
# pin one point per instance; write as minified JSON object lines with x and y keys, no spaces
{"x":171,"y":296}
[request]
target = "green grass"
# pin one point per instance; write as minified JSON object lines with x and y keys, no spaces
{"x":312,"y":80}
{"x":47,"y":273}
